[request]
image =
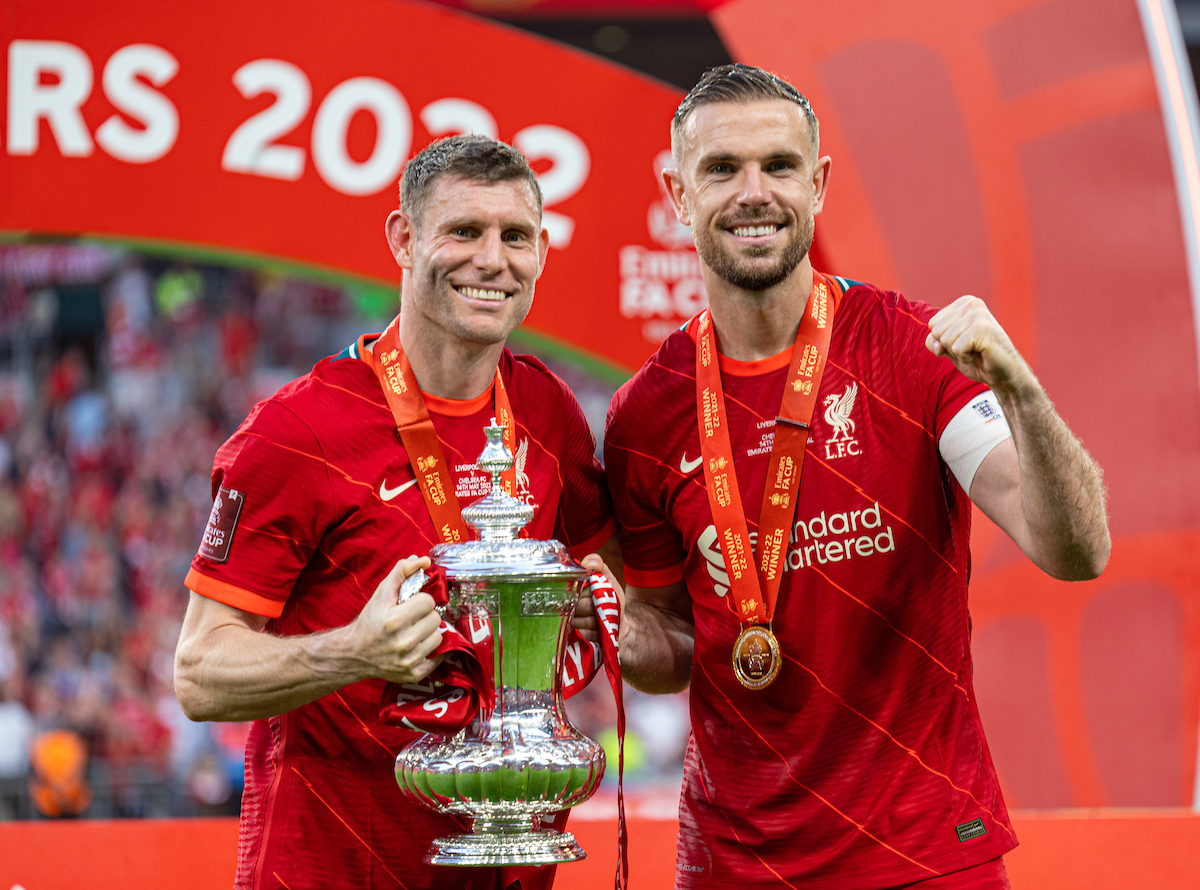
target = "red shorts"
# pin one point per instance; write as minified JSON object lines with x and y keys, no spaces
{"x":988,"y":876}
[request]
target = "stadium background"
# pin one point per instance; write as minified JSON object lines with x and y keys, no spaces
{"x":158,"y":276}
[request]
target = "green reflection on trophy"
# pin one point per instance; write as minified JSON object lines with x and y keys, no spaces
{"x":521,"y":760}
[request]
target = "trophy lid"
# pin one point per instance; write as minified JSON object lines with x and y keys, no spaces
{"x":497,"y":518}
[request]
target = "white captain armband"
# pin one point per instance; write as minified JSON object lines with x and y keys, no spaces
{"x":971,"y":435}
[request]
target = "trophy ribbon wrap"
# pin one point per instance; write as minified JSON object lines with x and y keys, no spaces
{"x":462,"y":684}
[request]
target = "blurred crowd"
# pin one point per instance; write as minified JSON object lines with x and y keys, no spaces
{"x":120,"y":375}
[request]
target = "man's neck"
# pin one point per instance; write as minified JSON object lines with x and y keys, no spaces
{"x":751,"y":326}
{"x":445,"y":366}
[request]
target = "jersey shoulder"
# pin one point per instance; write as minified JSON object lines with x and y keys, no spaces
{"x":339,"y":389}
{"x":528,"y":374}
{"x":333,"y":381}
{"x":881,"y":335}
{"x":868,"y":302}
{"x":666,"y":378}
{"x":544,"y":403}
{"x":879,"y":326}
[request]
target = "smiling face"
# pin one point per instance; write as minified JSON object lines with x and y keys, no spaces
{"x":749,"y":185}
{"x":470,"y":260}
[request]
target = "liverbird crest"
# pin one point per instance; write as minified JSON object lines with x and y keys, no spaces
{"x":520,"y":460}
{"x":837,"y":412}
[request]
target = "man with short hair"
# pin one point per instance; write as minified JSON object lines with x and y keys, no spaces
{"x":294,"y":619}
{"x":791,"y":474}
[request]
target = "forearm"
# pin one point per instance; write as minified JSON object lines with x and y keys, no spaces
{"x":1043,"y":489}
{"x":235,"y":673}
{"x":1062,"y":495}
{"x":656,"y":649}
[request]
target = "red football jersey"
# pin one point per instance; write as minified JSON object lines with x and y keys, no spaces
{"x":864,"y":764}
{"x":314,"y":502}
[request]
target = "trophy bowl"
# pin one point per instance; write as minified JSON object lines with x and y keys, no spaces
{"x":520,"y":760}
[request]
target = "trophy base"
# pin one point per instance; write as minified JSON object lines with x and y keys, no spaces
{"x":504,"y":842}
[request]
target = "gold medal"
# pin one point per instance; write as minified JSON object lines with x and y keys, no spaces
{"x":755,"y":567}
{"x":756,"y":658}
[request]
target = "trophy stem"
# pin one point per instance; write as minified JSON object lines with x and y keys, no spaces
{"x":506,"y":840}
{"x":518,"y":759}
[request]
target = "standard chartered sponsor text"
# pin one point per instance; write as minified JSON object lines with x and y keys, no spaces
{"x":849,"y":534}
{"x":820,"y":540}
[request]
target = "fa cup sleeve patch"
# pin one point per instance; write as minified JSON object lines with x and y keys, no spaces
{"x":218,"y":535}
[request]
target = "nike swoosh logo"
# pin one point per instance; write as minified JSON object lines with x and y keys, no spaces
{"x":388,"y":493}
{"x":686,"y":466}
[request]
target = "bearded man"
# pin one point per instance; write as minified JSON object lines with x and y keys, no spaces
{"x":793,"y":475}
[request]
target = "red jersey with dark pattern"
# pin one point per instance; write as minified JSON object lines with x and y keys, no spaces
{"x":864,"y":764}
{"x":317,"y":503}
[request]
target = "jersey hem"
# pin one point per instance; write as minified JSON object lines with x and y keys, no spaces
{"x":654,"y":577}
{"x":953,"y":406}
{"x":952,"y":864}
{"x":592,"y":544}
{"x":231,"y":595}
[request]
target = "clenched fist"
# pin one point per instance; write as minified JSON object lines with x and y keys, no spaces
{"x":968,"y":334}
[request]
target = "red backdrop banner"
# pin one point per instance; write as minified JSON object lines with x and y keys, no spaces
{"x":1018,"y":150}
{"x":280,"y":129}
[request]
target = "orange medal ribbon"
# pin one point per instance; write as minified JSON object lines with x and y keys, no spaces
{"x":420,"y":438}
{"x":755,"y":588}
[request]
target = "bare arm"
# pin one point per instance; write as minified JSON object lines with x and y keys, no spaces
{"x":1041,"y":487}
{"x":657,"y":638}
{"x":657,"y":634}
{"x":227,"y":669}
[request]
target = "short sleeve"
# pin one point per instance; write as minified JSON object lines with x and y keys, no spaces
{"x":585,"y":515}
{"x":971,"y":435}
{"x":943,"y":389}
{"x":651,"y":547}
{"x":272,"y":501}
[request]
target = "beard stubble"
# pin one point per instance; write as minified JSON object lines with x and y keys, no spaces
{"x":746,"y":275}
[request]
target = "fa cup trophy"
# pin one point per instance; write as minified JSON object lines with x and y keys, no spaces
{"x":521,"y":759}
